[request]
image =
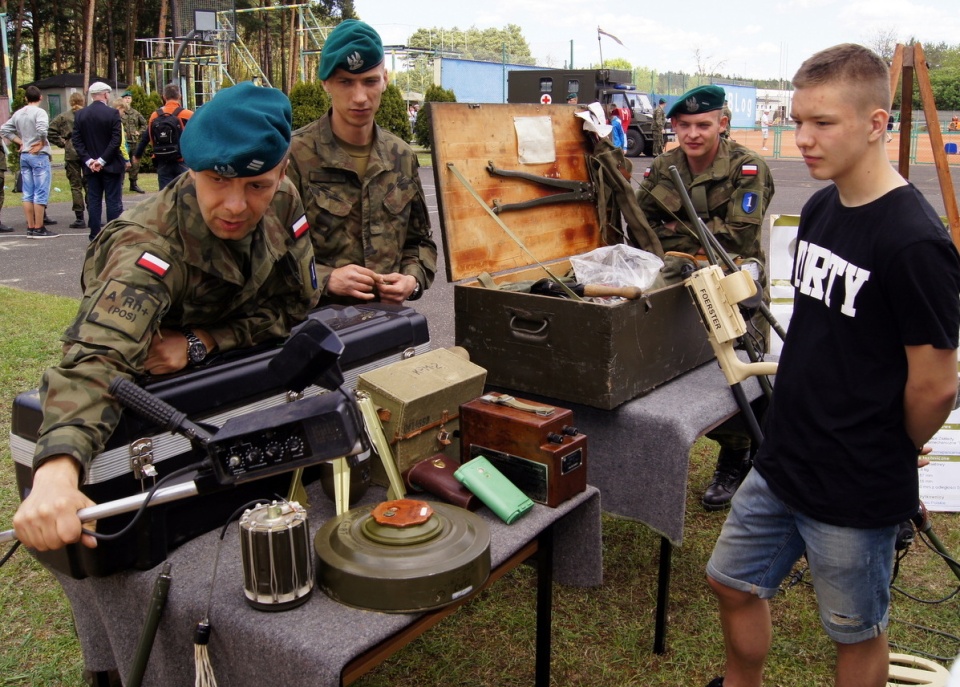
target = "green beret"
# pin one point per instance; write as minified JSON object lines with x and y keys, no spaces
{"x":698,"y":100}
{"x":571,"y":96}
{"x":126,"y":93}
{"x":353,"y":46}
{"x":243,"y":132}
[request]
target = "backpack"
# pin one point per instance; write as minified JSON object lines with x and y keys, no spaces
{"x":165,"y":130}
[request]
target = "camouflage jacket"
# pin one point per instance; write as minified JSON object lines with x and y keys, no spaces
{"x":61,"y":134}
{"x":159,"y":266}
{"x":734,"y":195}
{"x":659,"y":120}
{"x":380,"y":221}
{"x":729,"y":115}
{"x":134,"y":124}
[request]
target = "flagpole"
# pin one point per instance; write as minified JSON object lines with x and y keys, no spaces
{"x":600,"y":43}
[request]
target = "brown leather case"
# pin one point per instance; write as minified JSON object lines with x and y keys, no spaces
{"x":542,"y":453}
{"x":435,"y":476}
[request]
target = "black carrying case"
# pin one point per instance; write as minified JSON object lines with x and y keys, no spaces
{"x":230,"y":385}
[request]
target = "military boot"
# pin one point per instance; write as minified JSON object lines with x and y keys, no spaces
{"x":732,"y":467}
{"x":47,"y":221}
{"x":135,"y":187}
{"x":79,"y":223}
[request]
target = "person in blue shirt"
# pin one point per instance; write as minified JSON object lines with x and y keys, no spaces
{"x":619,"y":137}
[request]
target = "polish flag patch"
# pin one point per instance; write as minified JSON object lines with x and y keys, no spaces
{"x":152,"y":263}
{"x":300,"y":227}
{"x":646,"y":172}
{"x":749,"y":170}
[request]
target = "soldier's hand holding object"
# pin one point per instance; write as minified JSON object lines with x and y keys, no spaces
{"x":395,"y":287}
{"x":354,"y":281}
{"x":47,"y":518}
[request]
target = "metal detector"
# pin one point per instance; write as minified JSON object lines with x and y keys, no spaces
{"x":717,"y":297}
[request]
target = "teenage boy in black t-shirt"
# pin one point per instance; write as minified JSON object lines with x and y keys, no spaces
{"x":867,"y":375}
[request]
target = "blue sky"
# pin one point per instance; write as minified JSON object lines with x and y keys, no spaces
{"x":752,"y":39}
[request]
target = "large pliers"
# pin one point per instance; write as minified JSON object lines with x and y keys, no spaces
{"x":578,"y":191}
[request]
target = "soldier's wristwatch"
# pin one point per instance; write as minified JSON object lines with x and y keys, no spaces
{"x":417,"y":291}
{"x":196,"y":350}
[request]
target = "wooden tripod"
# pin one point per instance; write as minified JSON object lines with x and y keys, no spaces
{"x":906,"y":60}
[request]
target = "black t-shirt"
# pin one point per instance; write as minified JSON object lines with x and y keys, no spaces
{"x":868,"y":281}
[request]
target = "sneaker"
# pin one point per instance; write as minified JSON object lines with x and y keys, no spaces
{"x":41,"y":233}
{"x":732,"y":467}
{"x":4,"y":229}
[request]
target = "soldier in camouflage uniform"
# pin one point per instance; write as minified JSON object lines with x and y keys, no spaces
{"x":360,"y":185}
{"x":731,"y":188}
{"x":134,"y":125}
{"x":61,"y":135}
{"x":726,"y":112}
{"x":659,"y":124}
{"x":218,"y":260}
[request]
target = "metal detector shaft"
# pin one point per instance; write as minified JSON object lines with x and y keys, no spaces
{"x":124,"y":505}
{"x":921,"y":521}
{"x":713,"y":249}
{"x":149,"y":633}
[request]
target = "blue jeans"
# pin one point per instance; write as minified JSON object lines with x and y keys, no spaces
{"x":35,"y":170}
{"x":102,"y":185}
{"x":167,"y":172}
{"x":762,"y":538}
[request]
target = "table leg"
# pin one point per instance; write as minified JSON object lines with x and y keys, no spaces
{"x":544,"y":606}
{"x":663,"y":597}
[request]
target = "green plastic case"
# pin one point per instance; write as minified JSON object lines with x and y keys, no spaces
{"x":496,"y":491}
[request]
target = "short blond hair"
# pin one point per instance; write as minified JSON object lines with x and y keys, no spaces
{"x":856,"y":67}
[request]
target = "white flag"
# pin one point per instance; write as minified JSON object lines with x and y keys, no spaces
{"x":599,"y":30}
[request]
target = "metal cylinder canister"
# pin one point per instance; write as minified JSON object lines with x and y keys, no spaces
{"x":277,"y":557}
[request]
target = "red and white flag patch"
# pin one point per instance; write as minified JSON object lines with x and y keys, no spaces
{"x":152,"y":263}
{"x":300,"y":227}
{"x":749,"y":170}
{"x":646,"y":172}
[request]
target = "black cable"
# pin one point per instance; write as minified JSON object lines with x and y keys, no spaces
{"x":945,"y":556}
{"x":929,"y":602}
{"x":6,"y":556}
{"x":943,"y":659}
{"x":146,"y":502}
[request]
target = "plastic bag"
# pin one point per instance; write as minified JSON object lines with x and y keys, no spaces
{"x":618,"y":265}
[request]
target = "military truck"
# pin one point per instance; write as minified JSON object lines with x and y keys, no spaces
{"x":606,"y":86}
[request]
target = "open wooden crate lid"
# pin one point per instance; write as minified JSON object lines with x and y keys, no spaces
{"x":470,"y":137}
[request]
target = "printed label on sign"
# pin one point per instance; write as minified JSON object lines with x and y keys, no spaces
{"x":126,"y":309}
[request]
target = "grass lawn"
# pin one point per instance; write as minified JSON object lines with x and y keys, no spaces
{"x":602,"y":637}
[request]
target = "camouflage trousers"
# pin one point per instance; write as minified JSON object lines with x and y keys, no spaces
{"x":134,"y":170}
{"x":78,"y":186}
{"x":657,"y":143}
